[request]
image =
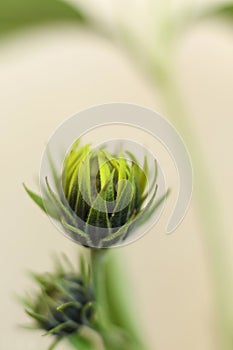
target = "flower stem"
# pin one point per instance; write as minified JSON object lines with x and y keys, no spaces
{"x":79,"y":342}
{"x":114,"y":317}
{"x":208,"y":208}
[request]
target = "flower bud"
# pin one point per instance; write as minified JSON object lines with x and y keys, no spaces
{"x":100,"y":197}
{"x":63,"y":304}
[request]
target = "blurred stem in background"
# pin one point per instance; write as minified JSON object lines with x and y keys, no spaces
{"x":157,"y":63}
{"x":208,"y":208}
{"x":161,"y":72}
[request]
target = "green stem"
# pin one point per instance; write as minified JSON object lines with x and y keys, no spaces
{"x":74,"y":342}
{"x":207,"y":207}
{"x":103,"y":323}
{"x":80,"y":342}
{"x":114,"y":316}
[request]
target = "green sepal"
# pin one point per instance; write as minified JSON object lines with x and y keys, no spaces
{"x":122,"y":175}
{"x":61,"y":327}
{"x":86,"y":307}
{"x":104,"y":169}
{"x":99,"y":218}
{"x":156,"y":205}
{"x":35,"y":197}
{"x":38,"y":317}
{"x":71,"y":166}
{"x":55,"y":343}
{"x":143,"y":198}
{"x":123,"y":203}
{"x":140,"y":173}
{"x":81,"y":235}
{"x":123,"y":231}
{"x":118,"y":235}
{"x":59,"y":204}
{"x":74,"y":304}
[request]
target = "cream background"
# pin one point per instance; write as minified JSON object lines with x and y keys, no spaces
{"x":51,"y":73}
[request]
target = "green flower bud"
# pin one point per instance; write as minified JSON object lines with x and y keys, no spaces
{"x":104,"y":191}
{"x":100,"y":197}
{"x":63,"y":304}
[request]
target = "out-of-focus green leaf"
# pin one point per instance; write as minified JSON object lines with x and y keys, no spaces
{"x":221,"y":11}
{"x":19,"y":14}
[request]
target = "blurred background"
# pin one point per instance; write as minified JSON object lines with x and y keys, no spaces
{"x":60,"y":57}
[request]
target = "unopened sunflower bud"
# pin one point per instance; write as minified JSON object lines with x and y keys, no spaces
{"x":63,"y":304}
{"x":101,"y":196}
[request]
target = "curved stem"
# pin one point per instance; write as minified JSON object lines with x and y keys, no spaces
{"x":207,"y":206}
